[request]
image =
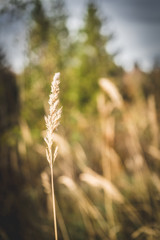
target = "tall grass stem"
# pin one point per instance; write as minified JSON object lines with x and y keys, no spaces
{"x":53,"y":202}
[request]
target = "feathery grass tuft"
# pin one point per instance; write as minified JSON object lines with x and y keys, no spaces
{"x":52,"y":122}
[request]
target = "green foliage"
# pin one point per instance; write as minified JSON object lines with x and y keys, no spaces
{"x":93,"y":60}
{"x":47,"y":55}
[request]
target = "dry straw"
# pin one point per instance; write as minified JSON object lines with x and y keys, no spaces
{"x":112,"y":92}
{"x":52,"y":122}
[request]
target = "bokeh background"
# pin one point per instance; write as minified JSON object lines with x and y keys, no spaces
{"x":107,"y":179}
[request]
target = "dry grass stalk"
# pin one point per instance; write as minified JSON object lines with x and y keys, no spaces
{"x":87,"y":209}
{"x":148,"y":231}
{"x":96,"y":180}
{"x":52,"y":122}
{"x":152,"y":115}
{"x":112,"y":92}
{"x":47,"y":188}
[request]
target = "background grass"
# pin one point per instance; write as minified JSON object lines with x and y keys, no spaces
{"x":107,"y":171}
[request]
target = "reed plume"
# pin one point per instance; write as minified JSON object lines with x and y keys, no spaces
{"x":52,"y":122}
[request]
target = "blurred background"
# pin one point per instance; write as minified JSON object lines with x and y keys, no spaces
{"x":107,"y":179}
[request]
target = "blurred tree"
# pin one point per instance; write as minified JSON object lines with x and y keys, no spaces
{"x":153,"y":86}
{"x":94,"y":60}
{"x":49,"y":34}
{"x":9,"y":113}
{"x":39,"y":26}
{"x":48,"y":49}
{"x":133,"y":83}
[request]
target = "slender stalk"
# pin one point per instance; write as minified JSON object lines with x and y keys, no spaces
{"x":61,"y":222}
{"x":53,"y":202}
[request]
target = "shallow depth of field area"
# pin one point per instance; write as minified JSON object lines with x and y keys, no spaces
{"x":107,"y":171}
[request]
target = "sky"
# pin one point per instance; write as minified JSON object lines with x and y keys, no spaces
{"x":134,"y":23}
{"x":13,"y":36}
